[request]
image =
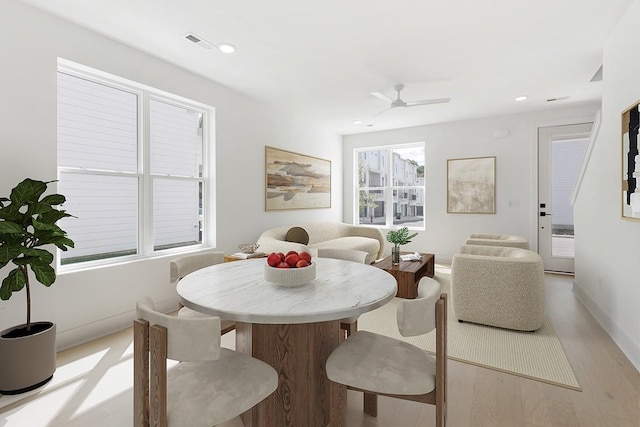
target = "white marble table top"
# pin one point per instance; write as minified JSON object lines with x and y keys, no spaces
{"x":237,"y":291}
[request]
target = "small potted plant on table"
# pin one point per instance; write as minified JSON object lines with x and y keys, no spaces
{"x":399,"y":237}
{"x":27,"y":223}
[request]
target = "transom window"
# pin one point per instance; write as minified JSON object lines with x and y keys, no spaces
{"x":131,"y":164}
{"x":390,"y":186}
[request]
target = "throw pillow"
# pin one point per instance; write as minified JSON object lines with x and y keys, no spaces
{"x":297,"y":235}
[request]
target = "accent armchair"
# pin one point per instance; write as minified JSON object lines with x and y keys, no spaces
{"x":498,"y":286}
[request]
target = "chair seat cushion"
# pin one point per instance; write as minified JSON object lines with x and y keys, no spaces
{"x":382,"y":364}
{"x":209,"y":393}
{"x":187,"y":312}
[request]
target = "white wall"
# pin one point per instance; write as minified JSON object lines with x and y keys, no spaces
{"x":607,"y":247}
{"x":516,"y":173}
{"x":91,"y":303}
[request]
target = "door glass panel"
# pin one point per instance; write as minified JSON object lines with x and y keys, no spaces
{"x":566,"y":158}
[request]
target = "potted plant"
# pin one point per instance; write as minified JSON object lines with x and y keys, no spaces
{"x":399,"y":237}
{"x":27,"y":224}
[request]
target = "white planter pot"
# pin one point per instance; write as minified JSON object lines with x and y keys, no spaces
{"x":27,"y":362}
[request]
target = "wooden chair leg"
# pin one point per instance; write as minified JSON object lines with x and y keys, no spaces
{"x":158,"y":376}
{"x":371,"y":404}
{"x":140,"y":373}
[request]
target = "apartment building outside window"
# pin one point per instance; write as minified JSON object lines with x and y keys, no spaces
{"x":132,"y":165}
{"x":390,"y":186}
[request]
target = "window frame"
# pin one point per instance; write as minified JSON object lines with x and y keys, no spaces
{"x":145,"y":232}
{"x":388,"y":188}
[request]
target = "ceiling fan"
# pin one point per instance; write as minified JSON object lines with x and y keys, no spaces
{"x":398,"y":102}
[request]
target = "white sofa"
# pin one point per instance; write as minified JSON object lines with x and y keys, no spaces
{"x":507,"y":240}
{"x":498,"y":286}
{"x":326,"y":235}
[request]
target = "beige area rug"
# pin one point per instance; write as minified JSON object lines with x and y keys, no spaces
{"x":536,"y":355}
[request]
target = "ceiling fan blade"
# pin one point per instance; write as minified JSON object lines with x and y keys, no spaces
{"x":428,"y":102}
{"x":382,"y":97}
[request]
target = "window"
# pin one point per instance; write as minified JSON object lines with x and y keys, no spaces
{"x":131,"y":164}
{"x":390,"y":186}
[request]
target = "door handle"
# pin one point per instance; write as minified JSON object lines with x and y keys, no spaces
{"x":545,"y":214}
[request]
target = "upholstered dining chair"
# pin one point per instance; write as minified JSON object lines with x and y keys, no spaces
{"x":210,"y":385}
{"x":380,"y":365}
{"x":186,"y":264}
{"x":350,"y":324}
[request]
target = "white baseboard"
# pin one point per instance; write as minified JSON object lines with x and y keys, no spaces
{"x":91,"y":331}
{"x":626,"y":343}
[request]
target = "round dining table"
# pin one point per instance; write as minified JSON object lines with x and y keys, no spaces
{"x":292,"y":328}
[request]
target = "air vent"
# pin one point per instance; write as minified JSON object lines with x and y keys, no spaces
{"x":560,"y":98}
{"x":198,"y":41}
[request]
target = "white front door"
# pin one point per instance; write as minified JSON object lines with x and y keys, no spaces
{"x":560,"y":153}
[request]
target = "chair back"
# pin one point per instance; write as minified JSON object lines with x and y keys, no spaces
{"x":184,"y":265}
{"x":417,"y":316}
{"x":188,"y":339}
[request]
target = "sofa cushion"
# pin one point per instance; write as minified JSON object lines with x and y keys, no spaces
{"x":371,"y":246}
{"x":297,"y":235}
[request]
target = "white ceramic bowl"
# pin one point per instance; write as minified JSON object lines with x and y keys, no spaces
{"x":290,"y":276}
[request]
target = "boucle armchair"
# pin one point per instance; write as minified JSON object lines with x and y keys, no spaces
{"x":506,"y":240}
{"x":498,"y":286}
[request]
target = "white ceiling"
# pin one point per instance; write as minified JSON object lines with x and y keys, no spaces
{"x":324,"y":57}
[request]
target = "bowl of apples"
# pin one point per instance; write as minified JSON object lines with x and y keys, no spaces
{"x":290,"y":269}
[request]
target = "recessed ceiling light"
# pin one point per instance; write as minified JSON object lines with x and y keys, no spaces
{"x":226,"y":48}
{"x":357,"y":122}
{"x":522,"y":98}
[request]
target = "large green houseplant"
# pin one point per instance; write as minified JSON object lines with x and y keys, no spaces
{"x":27,"y":227}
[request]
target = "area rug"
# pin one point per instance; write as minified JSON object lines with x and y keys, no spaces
{"x":535,"y":355}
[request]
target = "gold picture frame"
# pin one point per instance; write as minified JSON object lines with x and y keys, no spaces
{"x":630,"y":163}
{"x":471,"y":185}
{"x":296,"y":181}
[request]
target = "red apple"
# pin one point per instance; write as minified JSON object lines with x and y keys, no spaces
{"x":281,"y":255}
{"x":305,"y":256}
{"x":273,"y":259}
{"x":292,"y":259}
{"x":302,"y":263}
{"x":291,"y":252}
{"x":283,"y":265}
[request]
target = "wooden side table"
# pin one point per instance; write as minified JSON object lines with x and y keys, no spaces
{"x":408,"y":273}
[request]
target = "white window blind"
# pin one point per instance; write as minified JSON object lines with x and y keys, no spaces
{"x":114,"y":189}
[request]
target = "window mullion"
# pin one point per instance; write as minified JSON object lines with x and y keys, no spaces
{"x":145,"y":227}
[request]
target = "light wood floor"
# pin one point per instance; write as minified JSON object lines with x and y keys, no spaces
{"x":92,"y":386}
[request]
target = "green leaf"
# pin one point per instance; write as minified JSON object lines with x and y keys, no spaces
{"x":54,"y":199}
{"x":10,"y":227}
{"x":9,"y":252}
{"x":28,"y":191}
{"x":41,"y":226}
{"x":43,"y":255}
{"x":52,"y":216}
{"x":14,"y":282}
{"x":45,"y":274}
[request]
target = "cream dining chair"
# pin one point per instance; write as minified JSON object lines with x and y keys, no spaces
{"x":350,"y":324}
{"x":210,"y":385}
{"x":186,"y":264}
{"x":380,"y":365}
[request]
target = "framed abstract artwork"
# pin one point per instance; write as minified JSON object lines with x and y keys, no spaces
{"x":296,"y":181}
{"x":631,"y":163}
{"x":471,"y":185}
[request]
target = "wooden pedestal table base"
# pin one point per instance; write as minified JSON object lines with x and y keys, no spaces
{"x":298,"y":352}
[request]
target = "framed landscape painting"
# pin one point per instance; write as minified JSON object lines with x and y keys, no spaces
{"x":296,"y":181}
{"x":471,"y":185}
